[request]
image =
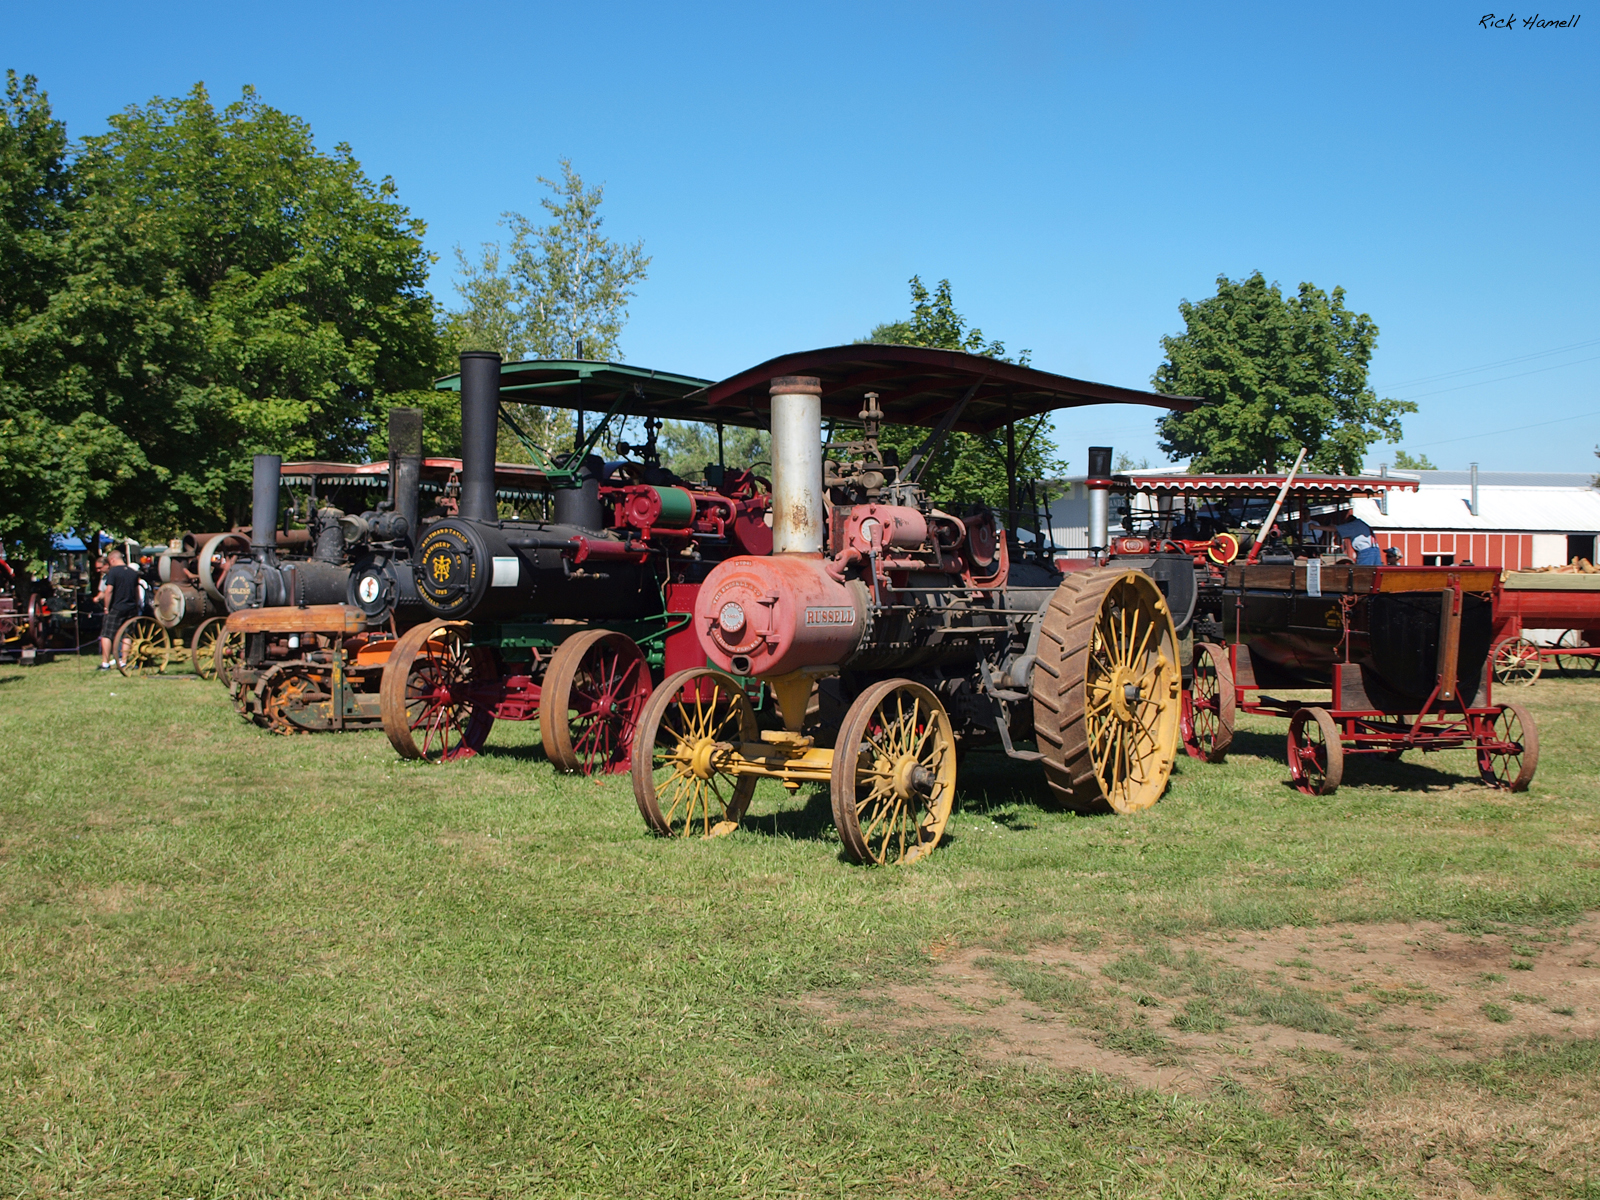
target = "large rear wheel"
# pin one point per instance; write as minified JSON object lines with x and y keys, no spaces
{"x":1106,"y":690}
{"x":438,"y":693}
{"x":690,"y":722}
{"x":894,"y":773}
{"x":593,"y":694}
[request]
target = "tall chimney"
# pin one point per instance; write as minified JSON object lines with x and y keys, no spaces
{"x":796,"y":464}
{"x":480,"y":421}
{"x":1383,"y":495}
{"x":1099,"y":485}
{"x":405,"y":465}
{"x":265,"y":479}
{"x":1474,"y":505}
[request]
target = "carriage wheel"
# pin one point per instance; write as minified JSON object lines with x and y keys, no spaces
{"x":285,"y":690}
{"x":1208,"y":705}
{"x":894,"y":773}
{"x":1512,"y":767}
{"x":203,"y":646}
{"x":1316,"y":754}
{"x":142,"y":647}
{"x":38,"y":620}
{"x":1587,"y":661}
{"x":1106,"y":690}
{"x":688,"y":723}
{"x":436,"y":685}
{"x":1516,"y":660}
{"x":227,"y":655}
{"x":589,"y":704}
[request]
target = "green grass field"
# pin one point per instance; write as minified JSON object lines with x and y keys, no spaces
{"x":236,"y":964}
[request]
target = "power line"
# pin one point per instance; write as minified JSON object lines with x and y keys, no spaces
{"x":1494,"y":432}
{"x":1505,"y":362}
{"x":1480,"y":383}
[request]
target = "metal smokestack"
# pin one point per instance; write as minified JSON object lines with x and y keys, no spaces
{"x":265,"y":478}
{"x":1099,"y":485}
{"x":1474,"y":505}
{"x":480,"y":420}
{"x":405,"y":465}
{"x":796,"y":464}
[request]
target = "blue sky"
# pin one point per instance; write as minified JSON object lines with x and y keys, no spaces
{"x":1074,"y":170}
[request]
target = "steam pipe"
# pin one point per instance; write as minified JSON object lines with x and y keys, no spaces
{"x":1099,"y":485}
{"x":1474,"y":505}
{"x":264,"y":506}
{"x":796,"y":464}
{"x":480,"y":417}
{"x":405,"y":466}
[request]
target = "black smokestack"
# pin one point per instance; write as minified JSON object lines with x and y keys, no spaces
{"x":264,"y":506}
{"x":405,"y":465}
{"x":480,"y":419}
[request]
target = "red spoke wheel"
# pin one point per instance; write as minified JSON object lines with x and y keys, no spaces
{"x":142,"y":647}
{"x":1316,"y":755}
{"x":203,"y":646}
{"x":438,"y":693}
{"x":1516,"y":660}
{"x":1209,"y":705}
{"x":894,"y":773}
{"x":590,"y":702}
{"x":1508,"y":749}
{"x":688,"y":725}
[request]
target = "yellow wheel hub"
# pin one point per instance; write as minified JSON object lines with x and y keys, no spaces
{"x":700,"y":759}
{"x":1125,"y":694}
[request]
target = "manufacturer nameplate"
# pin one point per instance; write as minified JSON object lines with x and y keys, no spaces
{"x":843,"y":615}
{"x":506,"y":571}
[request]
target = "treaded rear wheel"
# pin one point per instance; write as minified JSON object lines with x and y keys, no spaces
{"x":1106,"y":690}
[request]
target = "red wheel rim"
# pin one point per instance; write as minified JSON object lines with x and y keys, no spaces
{"x":608,"y":694}
{"x":443,"y":700}
{"x":1308,"y":754}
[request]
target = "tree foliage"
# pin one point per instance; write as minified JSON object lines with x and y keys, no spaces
{"x":559,"y":290}
{"x":222,"y":287}
{"x":1280,"y":373}
{"x":1407,"y":462}
{"x":967,"y":468}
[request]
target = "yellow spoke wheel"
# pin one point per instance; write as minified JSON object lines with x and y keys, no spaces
{"x":894,"y":773}
{"x":203,"y":647}
{"x":1106,"y":690}
{"x":693,"y":719}
{"x":142,"y":647}
{"x":227,"y":654}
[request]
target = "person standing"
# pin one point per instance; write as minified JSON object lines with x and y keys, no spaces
{"x":1357,"y":536}
{"x":119,"y":595}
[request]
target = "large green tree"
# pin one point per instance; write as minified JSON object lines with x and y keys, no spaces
{"x":967,"y":468}
{"x":1280,"y":372}
{"x":560,"y":289}
{"x":223,"y":287}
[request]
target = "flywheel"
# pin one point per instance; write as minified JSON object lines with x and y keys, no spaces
{"x":1107,"y":690}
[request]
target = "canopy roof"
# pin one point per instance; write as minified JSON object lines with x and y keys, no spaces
{"x":918,"y":386}
{"x":1315,"y":489}
{"x":511,"y":480}
{"x":915,"y":386}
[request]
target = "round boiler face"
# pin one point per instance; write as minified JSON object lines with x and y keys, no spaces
{"x":447,"y":568}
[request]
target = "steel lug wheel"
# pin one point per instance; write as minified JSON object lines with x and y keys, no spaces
{"x":1508,"y":749}
{"x":894,"y":773}
{"x":590,"y":702}
{"x":1316,"y":753}
{"x":438,"y":693}
{"x":687,"y":725}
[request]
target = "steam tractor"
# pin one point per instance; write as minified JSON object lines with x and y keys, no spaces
{"x":565,"y":614}
{"x":894,"y":634}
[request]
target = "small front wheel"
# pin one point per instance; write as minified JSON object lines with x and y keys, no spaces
{"x":438,"y":693}
{"x":1508,"y":749}
{"x":692,"y":722}
{"x":1316,"y":754}
{"x":894,"y":773}
{"x":1517,"y":661}
{"x":142,"y":647}
{"x":1209,"y":705}
{"x":203,"y":647}
{"x":590,"y":701}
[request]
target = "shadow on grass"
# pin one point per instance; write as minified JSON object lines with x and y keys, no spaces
{"x":532,"y":752}
{"x":814,"y":823}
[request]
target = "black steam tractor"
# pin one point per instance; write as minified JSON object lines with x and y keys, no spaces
{"x":567,"y":614}
{"x":893,"y":633}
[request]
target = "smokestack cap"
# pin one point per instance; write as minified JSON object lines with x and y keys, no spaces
{"x":796,"y":385}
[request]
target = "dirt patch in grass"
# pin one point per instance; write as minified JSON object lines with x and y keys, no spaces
{"x":1182,"y":1015}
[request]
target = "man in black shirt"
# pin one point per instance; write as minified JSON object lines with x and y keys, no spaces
{"x":119,"y":592}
